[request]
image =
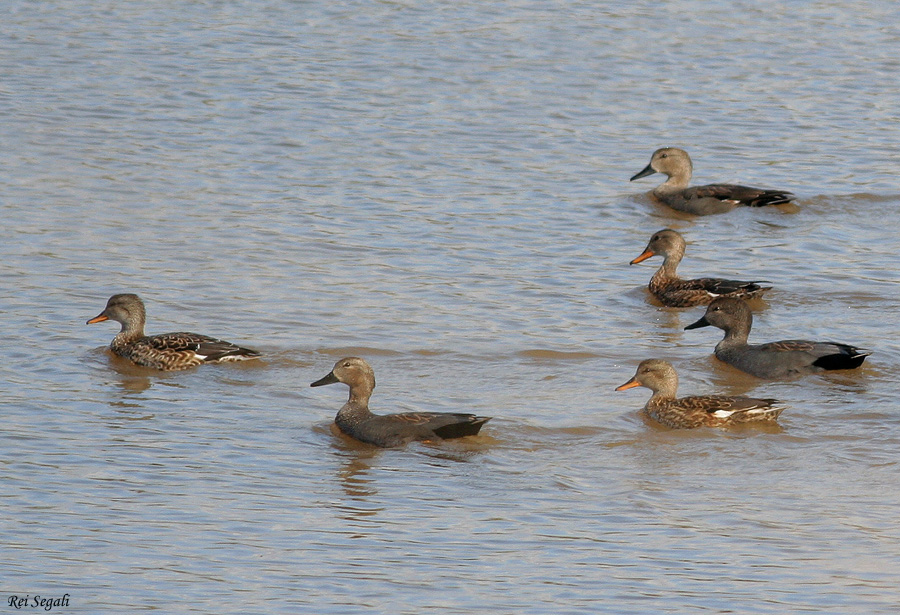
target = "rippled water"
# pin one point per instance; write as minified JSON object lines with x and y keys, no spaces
{"x":442,"y":189}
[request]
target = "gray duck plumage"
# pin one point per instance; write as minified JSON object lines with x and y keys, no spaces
{"x":702,"y":200}
{"x":773,"y":360}
{"x":357,"y":421}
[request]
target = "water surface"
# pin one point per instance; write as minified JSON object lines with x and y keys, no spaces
{"x":442,"y":189}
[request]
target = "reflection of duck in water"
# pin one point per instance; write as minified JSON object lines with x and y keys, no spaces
{"x":169,"y":351}
{"x":355,"y":420}
{"x":702,"y":200}
{"x":699,"y":410}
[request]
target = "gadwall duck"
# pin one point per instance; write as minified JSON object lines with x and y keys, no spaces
{"x":783,"y":359}
{"x":169,"y":351}
{"x":702,"y":200}
{"x":355,"y":420}
{"x":675,"y":292}
{"x":696,"y":411}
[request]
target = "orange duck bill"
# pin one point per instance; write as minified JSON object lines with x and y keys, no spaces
{"x":628,"y":385}
{"x":99,"y":318}
{"x":640,"y":259}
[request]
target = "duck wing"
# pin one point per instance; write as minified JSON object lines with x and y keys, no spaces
{"x":687,"y":293}
{"x":721,"y":286}
{"x":826,"y":355}
{"x":723,"y":406}
{"x":422,"y":425}
{"x":742,"y":195}
{"x":712,"y":411}
{"x":207,"y":349}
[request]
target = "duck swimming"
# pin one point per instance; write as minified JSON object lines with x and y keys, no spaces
{"x":702,"y":200}
{"x":168,"y":351}
{"x":672,"y":291}
{"x":388,"y":430}
{"x":696,"y":411}
{"x":784,"y":359}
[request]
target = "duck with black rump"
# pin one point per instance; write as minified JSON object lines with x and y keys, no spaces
{"x":702,"y":200}
{"x":355,"y":419}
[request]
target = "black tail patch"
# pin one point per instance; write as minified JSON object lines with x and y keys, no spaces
{"x":772,"y":197}
{"x":848,"y":358}
{"x":458,"y":430}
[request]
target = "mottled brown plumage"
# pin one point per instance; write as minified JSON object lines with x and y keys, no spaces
{"x":168,"y":351}
{"x":702,"y":200}
{"x":696,"y":411}
{"x":357,"y":421}
{"x":672,"y":291}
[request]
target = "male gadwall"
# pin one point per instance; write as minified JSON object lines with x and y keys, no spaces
{"x":782,"y":359}
{"x":702,"y":200}
{"x":696,"y":411}
{"x":169,"y":351}
{"x":675,"y":292}
{"x":355,"y":420}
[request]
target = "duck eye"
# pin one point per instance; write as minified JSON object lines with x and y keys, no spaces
{"x":663,"y":155}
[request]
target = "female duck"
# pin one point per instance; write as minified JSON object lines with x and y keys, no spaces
{"x":672,"y":291}
{"x":784,"y":359}
{"x":355,"y":420}
{"x":169,"y":351}
{"x":702,"y":200}
{"x":697,"y":411}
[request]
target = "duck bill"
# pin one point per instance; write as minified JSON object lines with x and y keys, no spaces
{"x":628,"y":385}
{"x":644,"y":256}
{"x":648,"y":170}
{"x":98,"y":318}
{"x":329,"y":379}
{"x":700,"y":323}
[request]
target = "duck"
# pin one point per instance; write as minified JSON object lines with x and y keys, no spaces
{"x":702,"y":200}
{"x":355,"y":419}
{"x":774,"y":360}
{"x":672,"y":291}
{"x":168,"y":351}
{"x":698,"y":410}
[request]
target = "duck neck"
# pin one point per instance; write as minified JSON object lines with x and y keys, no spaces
{"x":132,"y":329}
{"x":736,"y":335}
{"x":674,"y":183}
{"x":357,"y":407}
{"x":666,"y":271}
{"x":664,"y":392}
